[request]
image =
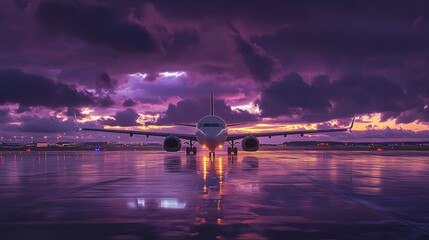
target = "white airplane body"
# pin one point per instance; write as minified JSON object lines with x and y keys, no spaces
{"x":211,"y":132}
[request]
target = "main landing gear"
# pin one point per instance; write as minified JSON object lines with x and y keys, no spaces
{"x":232,"y":150}
{"x":191,"y":148}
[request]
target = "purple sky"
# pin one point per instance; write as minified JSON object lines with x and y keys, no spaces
{"x":137,"y":63}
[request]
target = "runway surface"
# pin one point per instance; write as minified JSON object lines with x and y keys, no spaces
{"x":263,"y":195}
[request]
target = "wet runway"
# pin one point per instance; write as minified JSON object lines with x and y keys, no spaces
{"x":264,"y":195}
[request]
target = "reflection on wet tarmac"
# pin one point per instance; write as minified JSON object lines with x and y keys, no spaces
{"x":263,"y":195}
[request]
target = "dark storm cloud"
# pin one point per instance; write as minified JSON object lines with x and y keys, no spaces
{"x":291,"y":95}
{"x":4,"y":115}
{"x":366,"y":35}
{"x":420,"y":87}
{"x":324,"y":100}
{"x":250,"y":10}
{"x":369,"y":94}
{"x":126,"y":118}
{"x":106,"y":101}
{"x":190,"y":111}
{"x":90,"y":77}
{"x":129,"y":103}
{"x":96,"y":24}
{"x":32,"y":90}
{"x":23,"y":109}
{"x":212,"y":69}
{"x":73,"y":112}
{"x":37,"y":124}
{"x":384,"y":45}
{"x":22,"y":4}
{"x":416,"y":114}
{"x":258,"y":62}
{"x":104,"y":81}
{"x":181,"y":40}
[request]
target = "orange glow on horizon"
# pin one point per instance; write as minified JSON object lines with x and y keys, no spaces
{"x":362,"y":124}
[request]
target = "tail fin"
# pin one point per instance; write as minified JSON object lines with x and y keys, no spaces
{"x":212,"y":103}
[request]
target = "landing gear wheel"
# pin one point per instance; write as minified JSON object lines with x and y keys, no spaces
{"x":229,"y":150}
{"x":194,"y":150}
{"x":188,"y":150}
{"x":235,"y":150}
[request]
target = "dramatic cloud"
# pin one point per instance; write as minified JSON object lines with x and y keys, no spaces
{"x":181,"y":40}
{"x":35,"y":124}
{"x":126,"y":118}
{"x":259,"y":63}
{"x":22,"y":4}
{"x":129,"y":103}
{"x":324,"y":100}
{"x":31,"y":90}
{"x":166,"y":87}
{"x":106,"y":101}
{"x":4,"y":115}
{"x":295,"y":97}
{"x":163,"y":58}
{"x":190,"y":111}
{"x":90,"y":77}
{"x":96,"y":24}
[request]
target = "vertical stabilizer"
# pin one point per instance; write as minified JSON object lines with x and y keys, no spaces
{"x":212,"y":103}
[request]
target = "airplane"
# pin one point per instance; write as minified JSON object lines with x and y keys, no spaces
{"x":211,"y":132}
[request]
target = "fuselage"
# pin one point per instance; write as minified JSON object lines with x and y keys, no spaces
{"x":211,"y":132}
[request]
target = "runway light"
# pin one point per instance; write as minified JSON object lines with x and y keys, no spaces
{"x":220,"y":146}
{"x":204,"y":146}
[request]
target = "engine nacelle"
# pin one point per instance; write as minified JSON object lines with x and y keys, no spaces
{"x":172,"y":144}
{"x":250,"y":144}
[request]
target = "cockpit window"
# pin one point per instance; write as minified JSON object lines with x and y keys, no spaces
{"x":211,"y":125}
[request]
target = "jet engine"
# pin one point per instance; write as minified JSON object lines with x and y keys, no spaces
{"x":250,"y":143}
{"x":172,"y":144}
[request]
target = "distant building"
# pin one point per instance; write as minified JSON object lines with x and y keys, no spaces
{"x":94,"y":144}
{"x":42,"y":144}
{"x":65,"y":144}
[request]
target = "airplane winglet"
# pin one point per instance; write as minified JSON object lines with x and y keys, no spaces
{"x":353,"y":123}
{"x":76,"y":123}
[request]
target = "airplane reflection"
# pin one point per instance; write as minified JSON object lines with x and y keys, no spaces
{"x":164,"y":203}
{"x":250,"y":163}
{"x":172,"y":164}
{"x":210,"y":188}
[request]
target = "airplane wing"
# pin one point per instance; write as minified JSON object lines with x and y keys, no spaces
{"x":236,"y":124}
{"x":285,"y":133}
{"x":192,"y":137}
